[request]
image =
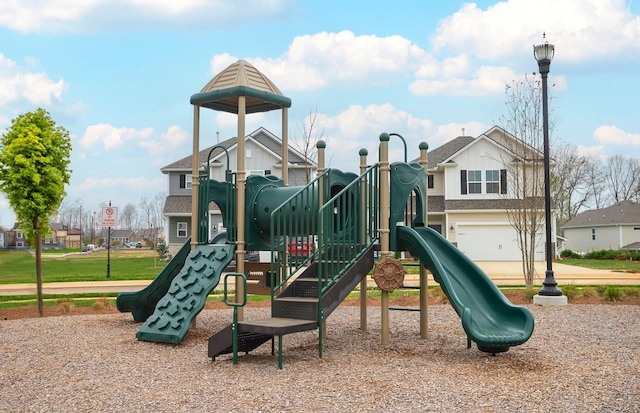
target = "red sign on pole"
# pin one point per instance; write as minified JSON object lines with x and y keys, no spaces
{"x":109,"y":216}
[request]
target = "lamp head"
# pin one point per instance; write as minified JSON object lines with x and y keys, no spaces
{"x":544,"y":52}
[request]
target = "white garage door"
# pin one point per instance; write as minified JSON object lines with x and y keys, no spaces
{"x":489,"y":242}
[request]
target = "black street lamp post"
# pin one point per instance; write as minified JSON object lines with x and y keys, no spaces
{"x":543,"y":54}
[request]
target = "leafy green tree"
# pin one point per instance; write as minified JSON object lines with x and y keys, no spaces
{"x":34,"y":161}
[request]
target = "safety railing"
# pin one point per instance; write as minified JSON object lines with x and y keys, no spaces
{"x":226,"y":201}
{"x":293,"y":230}
{"x":348,"y":223}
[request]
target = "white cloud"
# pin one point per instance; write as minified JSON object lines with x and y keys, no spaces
{"x":163,"y":150}
{"x":46,"y":16}
{"x":360,"y":127}
{"x":111,"y":137}
{"x":16,"y":84}
{"x":597,"y":151}
{"x":316,"y":60}
{"x":512,"y":26}
{"x":482,"y":81}
{"x":133,"y":184}
{"x":613,"y":135}
{"x":445,"y":133}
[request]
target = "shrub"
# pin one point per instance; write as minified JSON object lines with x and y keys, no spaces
{"x":569,"y":254}
{"x":601,"y":289}
{"x":589,"y":292}
{"x":102,"y":303}
{"x":529,"y":293}
{"x":612,"y":294}
{"x":631,"y":292}
{"x":66,"y":304}
{"x":612,"y":255}
{"x":570,"y":290}
{"x":439,"y":294}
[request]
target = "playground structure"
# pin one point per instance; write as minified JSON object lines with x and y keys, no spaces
{"x":346,"y":216}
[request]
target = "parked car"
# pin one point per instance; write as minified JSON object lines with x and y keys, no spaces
{"x":301,"y":246}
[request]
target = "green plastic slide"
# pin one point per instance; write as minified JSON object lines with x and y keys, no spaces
{"x":188,"y":294}
{"x":488,"y":318}
{"x":141,"y":304}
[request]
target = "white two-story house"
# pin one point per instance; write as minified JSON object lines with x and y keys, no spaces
{"x":262,"y":157}
{"x":470,"y":188}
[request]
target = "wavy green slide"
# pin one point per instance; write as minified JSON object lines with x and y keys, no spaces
{"x":188,"y":294}
{"x":488,"y":318}
{"x":141,"y":304}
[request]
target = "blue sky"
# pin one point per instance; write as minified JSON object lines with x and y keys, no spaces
{"x":118,"y":74}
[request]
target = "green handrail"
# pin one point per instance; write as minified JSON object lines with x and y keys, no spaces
{"x":235,"y":304}
{"x":204,"y":199}
{"x":286,"y":222}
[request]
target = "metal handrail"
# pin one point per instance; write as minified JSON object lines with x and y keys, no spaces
{"x":286,"y":222}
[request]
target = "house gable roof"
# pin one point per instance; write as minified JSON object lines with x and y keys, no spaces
{"x":625,"y":212}
{"x":496,"y":136}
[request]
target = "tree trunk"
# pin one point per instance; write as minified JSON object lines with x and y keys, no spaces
{"x":36,"y":227}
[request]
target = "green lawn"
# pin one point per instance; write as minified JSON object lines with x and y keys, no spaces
{"x":20,"y":266}
{"x":612,"y":265}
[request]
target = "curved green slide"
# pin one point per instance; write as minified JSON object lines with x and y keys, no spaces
{"x":188,"y":294}
{"x":487,"y":316}
{"x":141,"y":304}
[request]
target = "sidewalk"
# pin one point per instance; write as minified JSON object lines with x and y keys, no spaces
{"x":502,"y":273}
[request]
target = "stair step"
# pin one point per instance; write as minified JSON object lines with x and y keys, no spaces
{"x":276,"y":326}
{"x":297,"y":299}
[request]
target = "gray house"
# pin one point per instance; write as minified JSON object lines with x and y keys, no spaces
{"x":262,"y":157}
{"x":614,"y":227}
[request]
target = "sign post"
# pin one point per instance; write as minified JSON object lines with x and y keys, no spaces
{"x":109,"y":219}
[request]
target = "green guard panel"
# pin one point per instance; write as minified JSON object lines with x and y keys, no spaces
{"x":141,"y":304}
{"x":187,"y":295}
{"x":488,"y":317}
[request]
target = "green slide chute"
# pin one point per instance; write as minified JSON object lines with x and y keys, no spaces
{"x":488,"y":318}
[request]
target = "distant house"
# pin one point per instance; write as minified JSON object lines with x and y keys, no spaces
{"x":3,"y":238}
{"x":262,"y":157}
{"x":470,"y":189}
{"x":15,"y":238}
{"x":118,"y":236}
{"x":614,"y":227}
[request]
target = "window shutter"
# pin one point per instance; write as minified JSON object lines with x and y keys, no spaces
{"x":503,"y":181}
{"x":430,"y":181}
{"x":183,"y":181}
{"x":463,"y":182}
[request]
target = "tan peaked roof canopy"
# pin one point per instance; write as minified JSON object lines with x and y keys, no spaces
{"x":241,"y":79}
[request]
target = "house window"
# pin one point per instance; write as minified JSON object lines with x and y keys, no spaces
{"x":492,"y":181}
{"x":636,"y":228}
{"x":182,"y":229}
{"x":186,"y":180}
{"x":261,"y":172}
{"x":593,"y":234}
{"x":474,"y":178}
{"x":430,"y":181}
{"x":19,"y":235}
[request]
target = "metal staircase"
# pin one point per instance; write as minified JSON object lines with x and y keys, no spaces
{"x":307,"y":289}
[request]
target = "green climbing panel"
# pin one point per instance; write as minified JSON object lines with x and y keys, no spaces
{"x":187,"y":295}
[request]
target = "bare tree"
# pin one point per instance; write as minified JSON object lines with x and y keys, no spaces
{"x":305,"y":142}
{"x":158,"y":209}
{"x":596,"y":182}
{"x":571,"y":186}
{"x":147,"y":212}
{"x":129,"y":216}
{"x":622,"y":177}
{"x":525,"y":169}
